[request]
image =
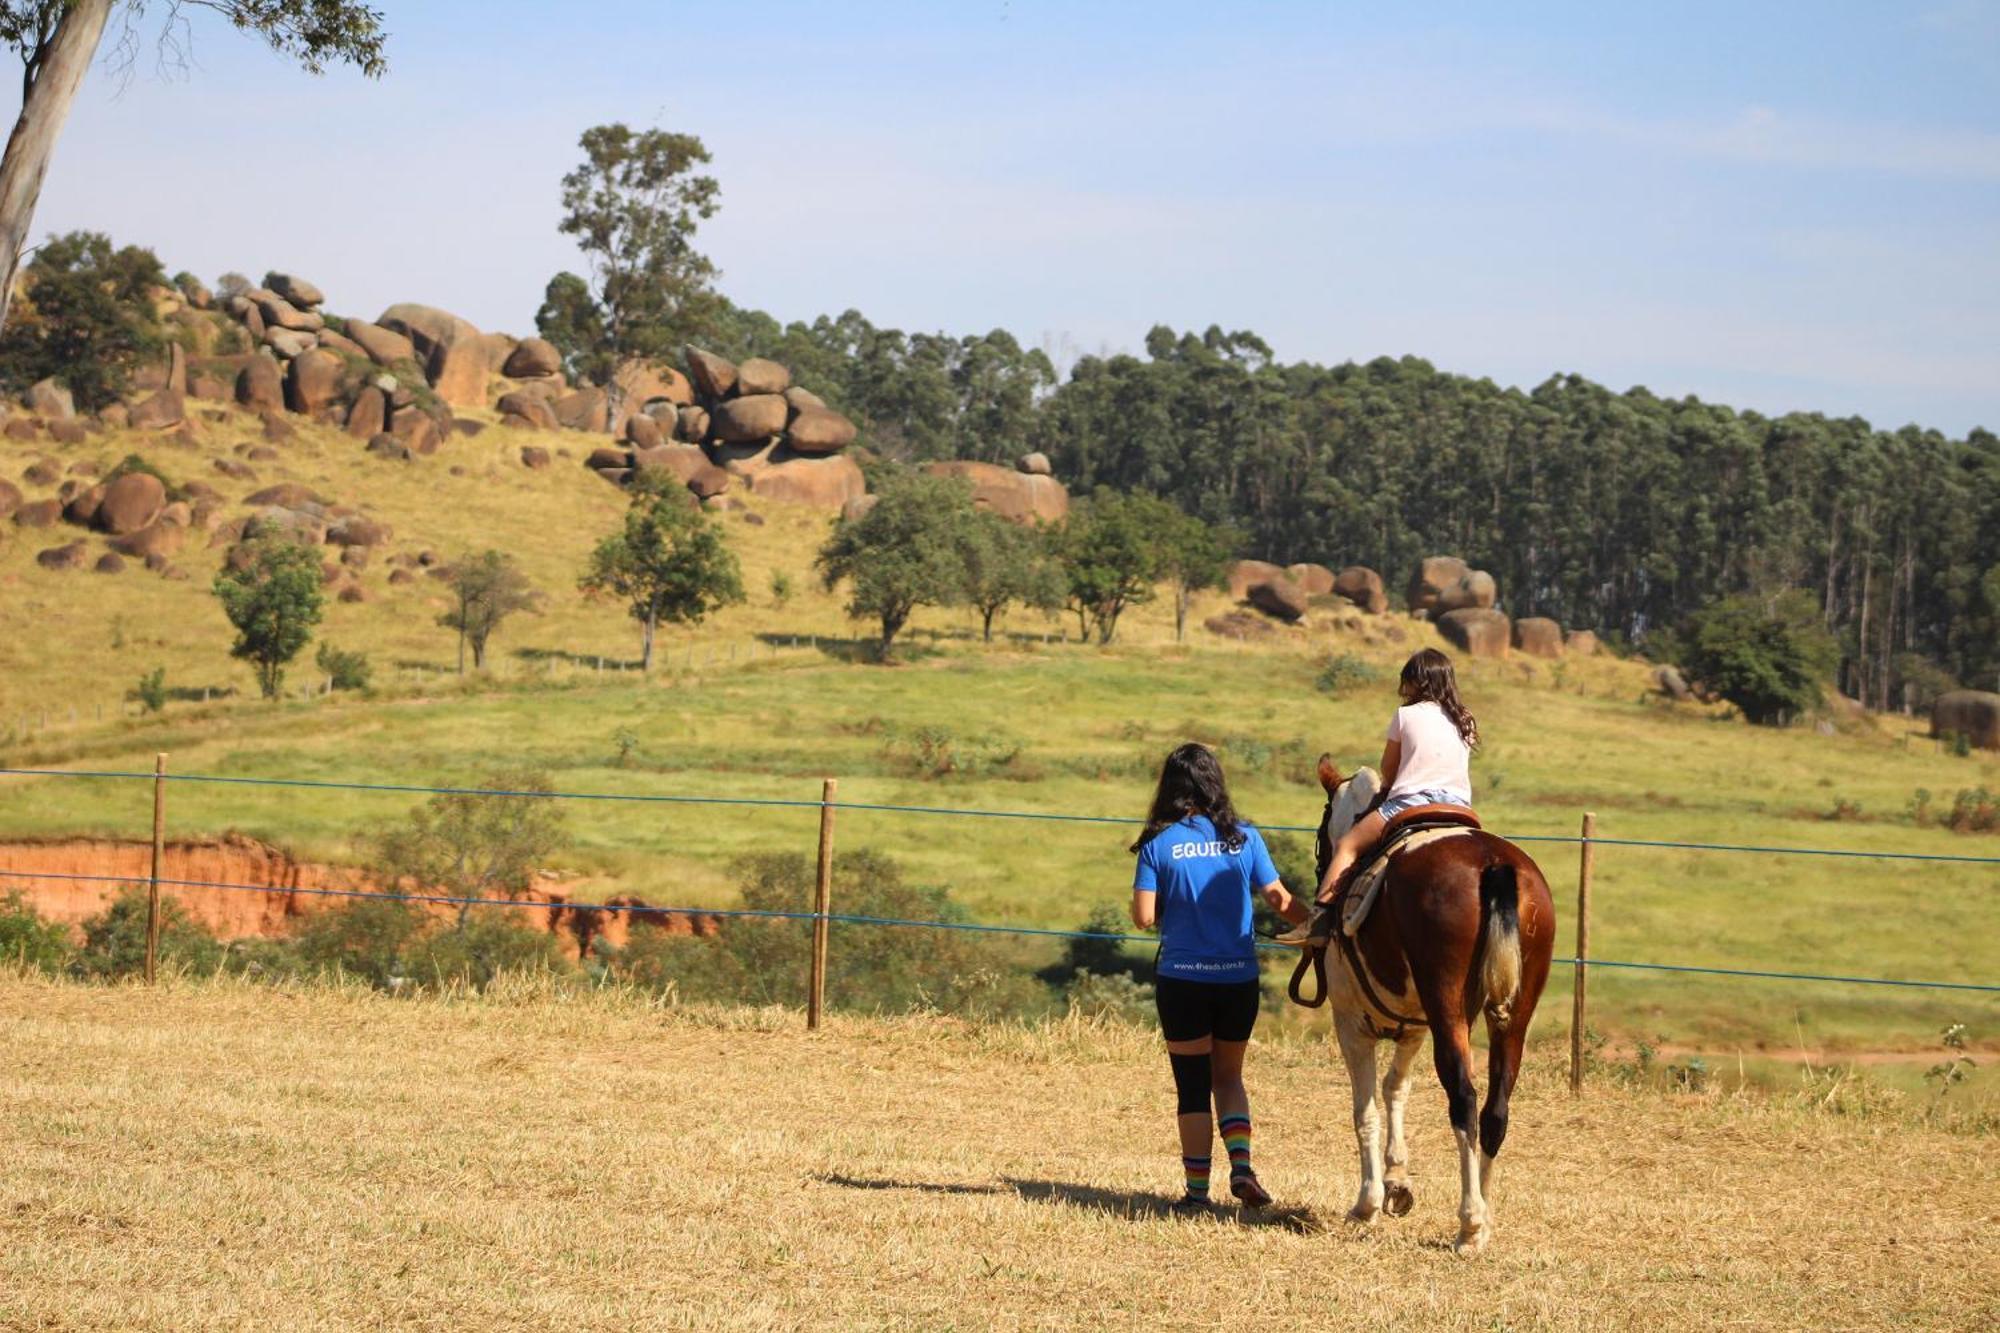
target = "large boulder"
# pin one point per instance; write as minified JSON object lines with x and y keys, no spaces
{"x":1430,"y":579}
{"x":282,"y":314}
{"x":285,"y":495}
{"x":643,"y":432}
{"x":758,"y":417}
{"x":1476,"y":631}
{"x":458,"y":373}
{"x":429,"y":329}
{"x":645,"y":386}
{"x":312,"y":382}
{"x":259,"y":386}
{"x":81,"y":508}
{"x":1280,"y":597}
{"x":417,"y":429}
{"x":342,"y":344}
{"x":1973,"y":714}
{"x":533,"y":409}
{"x":1015,"y":496}
{"x":50,"y":399}
{"x":158,"y":538}
{"x":803,"y":399}
{"x":532,"y":358}
{"x":1243,"y":575}
{"x":1363,"y":587}
{"x":1317,"y":580}
{"x":130,"y":503}
{"x":1669,"y":681}
{"x":708,"y":482}
{"x":586,"y":409}
{"x":1476,"y":589}
{"x":1582,"y":643}
{"x":370,"y":414}
{"x":1538,"y":636}
{"x":38,"y":514}
{"x":384,"y":346}
{"x":821,"y":430}
{"x":71,"y":556}
{"x":1035,"y":464}
{"x":289,"y":343}
{"x":165,"y":408}
{"x":534,"y":457}
{"x":761,"y":375}
{"x":295,"y":289}
{"x":832,"y":483}
{"x":10,"y":498}
{"x":682,"y":460}
{"x":691,"y":424}
{"x":712,"y":375}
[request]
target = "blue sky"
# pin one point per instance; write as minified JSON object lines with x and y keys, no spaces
{"x":1777,"y":205}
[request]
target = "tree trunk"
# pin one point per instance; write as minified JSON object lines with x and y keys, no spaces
{"x":461,"y":641}
{"x":45,"y":106}
{"x":1181,"y":596}
{"x":479,"y":653}
{"x":986,"y":631}
{"x":646,"y":642}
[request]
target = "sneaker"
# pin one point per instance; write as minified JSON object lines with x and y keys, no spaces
{"x":1249,"y":1191}
{"x":1191,"y":1205}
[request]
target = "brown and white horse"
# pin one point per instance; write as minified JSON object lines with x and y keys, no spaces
{"x":1463,"y":926}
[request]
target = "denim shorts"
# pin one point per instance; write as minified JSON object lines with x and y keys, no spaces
{"x":1410,"y":800}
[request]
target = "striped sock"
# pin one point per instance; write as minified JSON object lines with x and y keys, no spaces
{"x":1197,"y":1176}
{"x":1236,"y":1137}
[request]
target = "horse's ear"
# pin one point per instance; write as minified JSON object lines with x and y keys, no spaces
{"x":1329,"y":776}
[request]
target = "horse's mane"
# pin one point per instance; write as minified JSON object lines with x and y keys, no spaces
{"x":1346,"y":802}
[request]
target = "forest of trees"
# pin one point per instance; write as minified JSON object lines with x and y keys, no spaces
{"x":1619,"y":512}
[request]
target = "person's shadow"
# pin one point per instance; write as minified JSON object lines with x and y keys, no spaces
{"x":1132,"y":1205}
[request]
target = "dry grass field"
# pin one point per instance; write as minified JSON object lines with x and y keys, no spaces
{"x":217,"y":1155}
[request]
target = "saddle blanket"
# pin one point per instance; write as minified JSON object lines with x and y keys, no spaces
{"x":1362,"y":897}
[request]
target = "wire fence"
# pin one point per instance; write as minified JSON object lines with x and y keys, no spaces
{"x":157,"y":881}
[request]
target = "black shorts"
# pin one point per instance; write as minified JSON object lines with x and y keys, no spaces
{"x":1225,"y":1010}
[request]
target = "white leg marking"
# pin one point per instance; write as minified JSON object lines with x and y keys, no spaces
{"x":1395,"y":1097}
{"x":1472,"y":1230}
{"x":1357,"y":1048}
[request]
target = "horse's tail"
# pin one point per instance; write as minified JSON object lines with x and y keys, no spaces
{"x":1499,"y":943}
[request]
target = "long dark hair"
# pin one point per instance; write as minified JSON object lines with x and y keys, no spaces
{"x":1191,"y":783}
{"x":1428,"y":678}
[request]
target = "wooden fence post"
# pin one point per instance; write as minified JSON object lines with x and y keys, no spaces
{"x":1585,"y":863}
{"x":153,"y":885}
{"x":822,"y":900}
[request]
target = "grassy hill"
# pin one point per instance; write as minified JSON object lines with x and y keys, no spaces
{"x":223,"y":1155}
{"x":767,"y":698}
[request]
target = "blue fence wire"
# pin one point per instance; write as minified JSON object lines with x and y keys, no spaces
{"x":968,"y":813}
{"x":851,"y":918}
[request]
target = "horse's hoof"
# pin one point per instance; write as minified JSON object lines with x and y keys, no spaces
{"x":1470,"y":1243}
{"x":1399,"y":1199}
{"x":1363,"y":1215}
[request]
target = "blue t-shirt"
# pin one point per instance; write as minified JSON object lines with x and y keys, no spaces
{"x":1204,"y":903}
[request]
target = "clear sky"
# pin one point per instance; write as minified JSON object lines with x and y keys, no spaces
{"x":1777,"y":205}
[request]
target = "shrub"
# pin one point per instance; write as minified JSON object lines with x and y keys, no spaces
{"x":627,"y":742}
{"x":781,"y":587}
{"x":367,"y":938}
{"x":86,"y":317}
{"x":1096,"y":957}
{"x":1119,"y":998}
{"x":29,"y":940}
{"x":138,"y":463}
{"x":1343,"y":672}
{"x":1973,"y":811}
{"x":1768,"y":657}
{"x":114,"y":941}
{"x":484,"y":945}
{"x":869,"y":967}
{"x":151,"y":691}
{"x":347,"y":670}
{"x":231,"y":285}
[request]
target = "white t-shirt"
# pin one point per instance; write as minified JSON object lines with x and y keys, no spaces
{"x":1435,"y":757}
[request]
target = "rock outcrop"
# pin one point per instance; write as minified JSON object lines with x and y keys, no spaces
{"x":1020,"y":497}
{"x":1538,"y":636}
{"x":1476,"y":631}
{"x":1973,"y":714}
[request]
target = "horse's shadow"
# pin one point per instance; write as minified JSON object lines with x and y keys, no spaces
{"x":1131,"y":1205}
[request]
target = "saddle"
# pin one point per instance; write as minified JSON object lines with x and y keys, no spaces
{"x":1355,"y":896}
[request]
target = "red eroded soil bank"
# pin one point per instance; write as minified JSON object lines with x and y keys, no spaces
{"x":37,"y":871}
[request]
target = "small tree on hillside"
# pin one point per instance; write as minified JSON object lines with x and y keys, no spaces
{"x":1110,"y":558}
{"x":668,"y":562}
{"x":1768,"y":656}
{"x":633,"y":207}
{"x":86,"y":318}
{"x":906,"y":551}
{"x":57,"y":40}
{"x":486,"y":589}
{"x":1188,"y":553}
{"x":470,"y":847}
{"x":274,"y":601}
{"x":1006,"y":564}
